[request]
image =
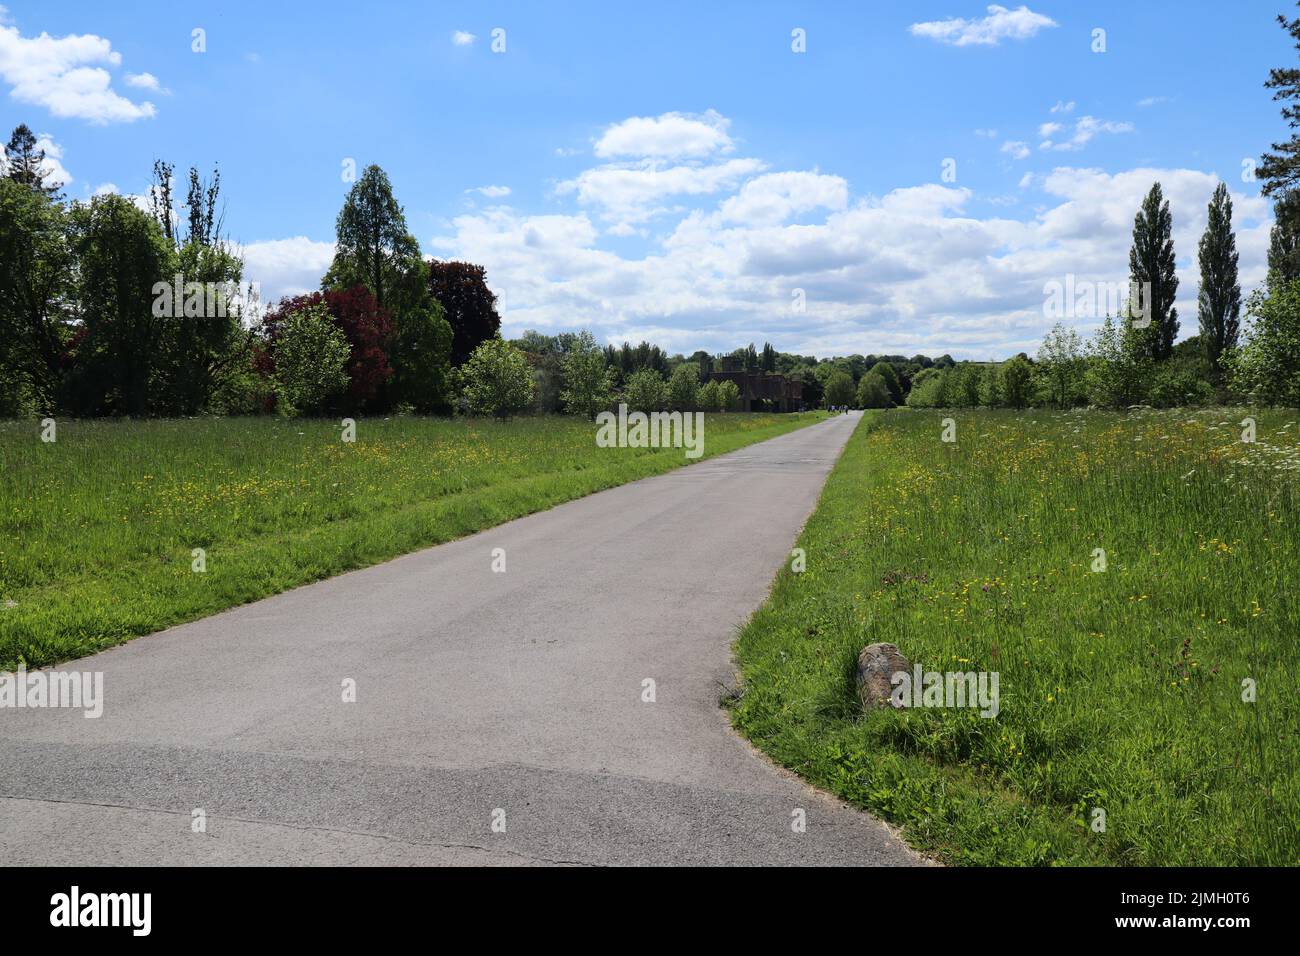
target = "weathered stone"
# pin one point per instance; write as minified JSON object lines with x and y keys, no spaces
{"x":877,"y":663}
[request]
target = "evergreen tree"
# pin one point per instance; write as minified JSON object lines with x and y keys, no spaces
{"x":1151,"y":262}
{"x":373,"y":247}
{"x":1219,"y":300}
{"x":1280,"y":170}
{"x":25,"y":161}
{"x":1284,"y":239}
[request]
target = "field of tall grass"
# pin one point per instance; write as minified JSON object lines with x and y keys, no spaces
{"x":98,"y":529}
{"x":1156,"y":682}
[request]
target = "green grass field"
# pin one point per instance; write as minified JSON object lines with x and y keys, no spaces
{"x":1121,"y":690}
{"x":97,"y":529}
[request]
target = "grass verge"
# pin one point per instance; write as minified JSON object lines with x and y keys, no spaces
{"x":98,"y":529}
{"x":1126,"y":690}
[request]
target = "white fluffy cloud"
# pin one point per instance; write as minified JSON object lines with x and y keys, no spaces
{"x":66,"y":75}
{"x":627,"y":193}
{"x":911,"y":270}
{"x":491,"y":192}
{"x":462,"y":38}
{"x":655,"y":162}
{"x":775,"y":197}
{"x":670,"y":136}
{"x":286,"y":267}
{"x":908,"y":271}
{"x":143,"y":81}
{"x":1001,"y":23}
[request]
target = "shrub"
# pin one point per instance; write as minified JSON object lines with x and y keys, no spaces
{"x":728,"y":396}
{"x":684,"y":387}
{"x":1117,"y":367}
{"x":588,"y":382}
{"x":310,"y":355}
{"x":644,"y":391}
{"x":1017,"y":377}
{"x":1173,"y":386}
{"x":927,"y":388}
{"x":368,"y":330}
{"x":244,"y":386}
{"x":497,"y":379}
{"x":1267,"y":366}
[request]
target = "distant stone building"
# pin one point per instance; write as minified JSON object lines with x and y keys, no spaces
{"x":761,"y":391}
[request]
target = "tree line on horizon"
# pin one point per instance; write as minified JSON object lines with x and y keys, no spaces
{"x":91,"y":325}
{"x":387,"y":330}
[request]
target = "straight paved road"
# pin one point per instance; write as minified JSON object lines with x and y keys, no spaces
{"x":479,"y":696}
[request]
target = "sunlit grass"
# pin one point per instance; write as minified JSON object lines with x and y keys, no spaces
{"x":97,"y":529}
{"x":1121,"y":690}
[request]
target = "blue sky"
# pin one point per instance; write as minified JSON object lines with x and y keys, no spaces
{"x":675,"y":170}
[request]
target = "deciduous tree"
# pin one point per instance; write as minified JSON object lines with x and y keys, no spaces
{"x":1219,"y":299}
{"x":1151,"y":265}
{"x":467,"y":304}
{"x":497,"y":379}
{"x":310,"y":354}
{"x":588,"y":382}
{"x":35,"y":281}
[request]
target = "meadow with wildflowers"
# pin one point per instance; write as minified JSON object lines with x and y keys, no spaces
{"x":1132,"y":579}
{"x":99,"y":529}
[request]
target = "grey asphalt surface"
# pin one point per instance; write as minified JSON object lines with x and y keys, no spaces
{"x":476,"y":692}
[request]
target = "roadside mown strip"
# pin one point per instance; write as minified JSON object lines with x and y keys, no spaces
{"x":1155,"y":685}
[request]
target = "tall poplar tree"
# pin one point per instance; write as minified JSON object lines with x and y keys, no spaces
{"x":1219,"y":299}
{"x":1151,"y":264}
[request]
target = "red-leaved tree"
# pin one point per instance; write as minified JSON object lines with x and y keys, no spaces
{"x":368,"y":329}
{"x":467,"y":303}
